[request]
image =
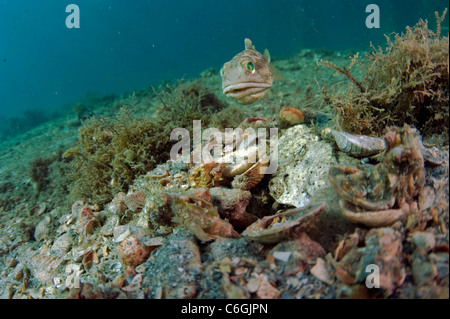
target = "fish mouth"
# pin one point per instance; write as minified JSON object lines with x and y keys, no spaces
{"x":243,"y":89}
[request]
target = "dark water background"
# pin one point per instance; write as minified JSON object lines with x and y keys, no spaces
{"x":125,"y":45}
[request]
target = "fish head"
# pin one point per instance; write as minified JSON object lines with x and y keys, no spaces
{"x":248,"y":76}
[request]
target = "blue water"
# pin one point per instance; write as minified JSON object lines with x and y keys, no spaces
{"x":125,"y":45}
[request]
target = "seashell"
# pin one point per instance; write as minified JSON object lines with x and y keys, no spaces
{"x":37,"y":210}
{"x":123,"y":235}
{"x":320,"y":271}
{"x":62,"y":244}
{"x":254,"y":120}
{"x":43,"y":267}
{"x":117,"y":205}
{"x":43,"y":229}
{"x":206,"y":174}
{"x":154,"y":241}
{"x":275,"y":228}
{"x":86,"y":223}
{"x":77,"y":207}
{"x":116,"y":267}
{"x":433,"y":156}
{"x":252,"y":176}
{"x":351,"y":183}
{"x":134,"y":201}
{"x":247,"y":158}
{"x":89,"y":259}
{"x":291,"y":116}
{"x":358,"y":145}
{"x":381,"y":218}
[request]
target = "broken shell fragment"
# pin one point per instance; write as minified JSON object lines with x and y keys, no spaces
{"x":320,"y":271}
{"x":206,"y":174}
{"x":357,"y":145}
{"x":252,"y":176}
{"x":86,"y":223}
{"x":134,"y":200}
{"x":381,"y":218}
{"x":372,"y":193}
{"x":37,"y":210}
{"x":275,"y":228}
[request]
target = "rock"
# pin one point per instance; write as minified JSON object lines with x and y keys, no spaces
{"x":174,"y":268}
{"x":296,"y":255}
{"x":134,"y":200}
{"x":303,"y":165}
{"x":231,"y":204}
{"x":42,"y":230}
{"x":135,"y":245}
{"x":117,"y":205}
{"x":424,"y":241}
{"x":234,"y":248}
{"x":132,"y":252}
{"x":321,"y":272}
{"x":86,"y":223}
{"x":62,"y":244}
{"x":383,"y":249}
{"x":423,"y":271}
{"x":44,"y":267}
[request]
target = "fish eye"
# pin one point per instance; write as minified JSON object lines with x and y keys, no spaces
{"x":221,"y":72}
{"x":250,"y":67}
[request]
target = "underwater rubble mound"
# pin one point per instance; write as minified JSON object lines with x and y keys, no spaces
{"x":170,"y":236}
{"x":406,"y":82}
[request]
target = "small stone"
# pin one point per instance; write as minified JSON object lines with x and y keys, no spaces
{"x":42,"y":230}
{"x":267,"y":291}
{"x":232,"y":204}
{"x":253,"y":284}
{"x":135,"y":200}
{"x":426,"y":198}
{"x":320,"y":271}
{"x":62,"y":244}
{"x":282,"y":255}
{"x":18,"y":272}
{"x":424,"y":240}
{"x":132,"y":252}
{"x":423,"y":271}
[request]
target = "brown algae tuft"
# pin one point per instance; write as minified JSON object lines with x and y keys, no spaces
{"x":406,"y":82}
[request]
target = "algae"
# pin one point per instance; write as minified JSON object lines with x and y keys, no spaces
{"x":406,"y":82}
{"x":112,"y":151}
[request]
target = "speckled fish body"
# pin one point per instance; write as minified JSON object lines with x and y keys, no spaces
{"x":248,"y":76}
